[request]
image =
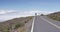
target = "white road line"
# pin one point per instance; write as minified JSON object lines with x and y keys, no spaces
{"x":32,"y":24}
{"x":51,"y":23}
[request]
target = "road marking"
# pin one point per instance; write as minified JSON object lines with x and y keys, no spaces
{"x":51,"y":23}
{"x":32,"y":24}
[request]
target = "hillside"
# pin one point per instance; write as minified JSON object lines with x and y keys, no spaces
{"x":14,"y":24}
{"x":54,"y":16}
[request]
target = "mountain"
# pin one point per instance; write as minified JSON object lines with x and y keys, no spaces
{"x":15,"y":23}
{"x":55,"y":16}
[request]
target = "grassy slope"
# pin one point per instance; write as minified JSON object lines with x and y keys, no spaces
{"x":55,"y":16}
{"x":16,"y":23}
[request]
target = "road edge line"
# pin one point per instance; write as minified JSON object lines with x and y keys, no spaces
{"x":33,"y":24}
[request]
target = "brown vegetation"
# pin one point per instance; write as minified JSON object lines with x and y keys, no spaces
{"x":55,"y":16}
{"x":12,"y":24}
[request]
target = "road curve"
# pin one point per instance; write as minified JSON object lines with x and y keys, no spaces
{"x":41,"y":25}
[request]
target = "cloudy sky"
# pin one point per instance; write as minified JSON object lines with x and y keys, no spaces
{"x":21,"y":8}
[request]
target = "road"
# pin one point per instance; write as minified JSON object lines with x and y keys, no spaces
{"x":42,"y":25}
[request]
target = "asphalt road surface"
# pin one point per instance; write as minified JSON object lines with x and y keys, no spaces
{"x":43,"y":25}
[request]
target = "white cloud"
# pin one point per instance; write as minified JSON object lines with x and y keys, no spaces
{"x":9,"y":14}
{"x":6,"y":11}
